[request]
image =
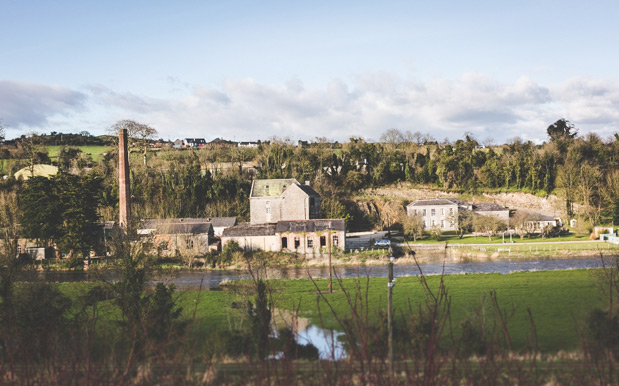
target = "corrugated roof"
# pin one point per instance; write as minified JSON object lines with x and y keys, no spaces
{"x":247,"y":230}
{"x":317,"y":225}
{"x":153,"y":222}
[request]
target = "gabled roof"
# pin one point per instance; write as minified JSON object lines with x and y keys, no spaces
{"x":248,"y":230}
{"x":271,"y":188}
{"x":539,"y":217}
{"x":319,"y":225}
{"x":223,"y":221}
{"x":309,"y":190}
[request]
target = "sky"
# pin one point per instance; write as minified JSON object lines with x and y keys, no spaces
{"x":248,"y":70}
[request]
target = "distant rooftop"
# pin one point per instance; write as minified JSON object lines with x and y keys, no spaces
{"x":318,"y":225}
{"x":437,"y":201}
{"x":271,"y":188}
{"x":246,"y":229}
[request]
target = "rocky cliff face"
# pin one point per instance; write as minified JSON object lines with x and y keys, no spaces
{"x":383,"y":206}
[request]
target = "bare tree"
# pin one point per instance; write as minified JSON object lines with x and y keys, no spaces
{"x":488,"y":224}
{"x":523,"y":224}
{"x":138,"y":132}
{"x":412,"y":225}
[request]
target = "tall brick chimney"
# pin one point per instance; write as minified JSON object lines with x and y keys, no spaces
{"x":124,"y":187}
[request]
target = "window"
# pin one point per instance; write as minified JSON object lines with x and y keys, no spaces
{"x":266,"y":189}
{"x":451,"y":210}
{"x":433,"y":223}
{"x":323,"y":241}
{"x":443,"y":211}
{"x":336,"y":240}
{"x":425,"y":223}
{"x":297,"y":243}
{"x":433,"y":212}
{"x":442,"y":224}
{"x":268,"y":210}
{"x":424,"y":212}
{"x":310,"y":243}
{"x":284,"y":243}
{"x":189,"y":243}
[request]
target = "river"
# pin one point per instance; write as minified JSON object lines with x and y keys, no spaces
{"x":196,"y":279}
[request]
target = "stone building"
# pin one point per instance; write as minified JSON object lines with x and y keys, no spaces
{"x":274,"y":200}
{"x":180,"y":236}
{"x":493,"y":210}
{"x":441,"y":213}
{"x":252,"y":237}
{"x":309,"y":237}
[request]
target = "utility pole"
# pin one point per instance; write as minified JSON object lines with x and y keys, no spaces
{"x":330,"y":267}
{"x":390,"y":285}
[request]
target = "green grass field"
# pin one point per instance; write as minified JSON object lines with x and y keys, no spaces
{"x":560,"y":302}
{"x":499,"y":239}
{"x":95,"y":152}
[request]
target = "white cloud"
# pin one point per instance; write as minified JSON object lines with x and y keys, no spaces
{"x":366,"y":106}
{"x":31,"y":106}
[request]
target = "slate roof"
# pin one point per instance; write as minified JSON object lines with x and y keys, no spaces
{"x":223,"y":221}
{"x":247,"y":229}
{"x":310,"y":225}
{"x":308,"y":190}
{"x":176,"y":228}
{"x":488,"y":207}
{"x":438,"y":201}
{"x":275,"y":187}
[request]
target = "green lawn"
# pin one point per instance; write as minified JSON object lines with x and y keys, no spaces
{"x":499,"y":239}
{"x":560,"y":301}
{"x":95,"y":152}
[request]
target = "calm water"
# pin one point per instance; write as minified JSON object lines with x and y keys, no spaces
{"x":212,"y":279}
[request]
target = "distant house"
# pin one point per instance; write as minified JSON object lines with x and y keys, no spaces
{"x":493,"y":210}
{"x":441,"y":213}
{"x":275,"y":200}
{"x":194,"y":142}
{"x":249,"y":144}
{"x":537,"y":222}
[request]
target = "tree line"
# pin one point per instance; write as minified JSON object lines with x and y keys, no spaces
{"x":582,"y":169}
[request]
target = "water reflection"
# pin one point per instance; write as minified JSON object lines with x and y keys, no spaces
{"x":326,"y":341}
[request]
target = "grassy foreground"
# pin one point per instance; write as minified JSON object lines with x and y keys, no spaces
{"x":559,"y":301}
